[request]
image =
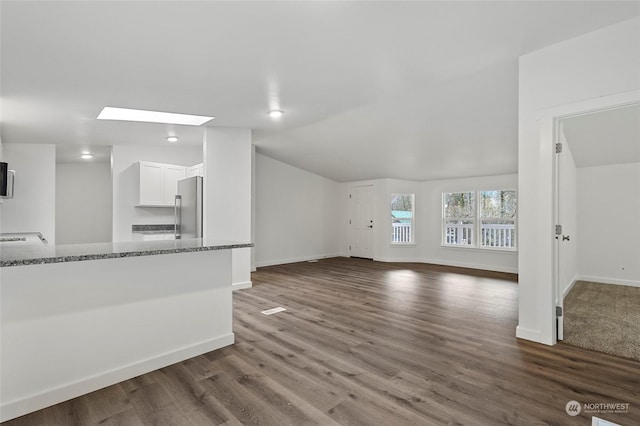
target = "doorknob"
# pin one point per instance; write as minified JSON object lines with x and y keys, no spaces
{"x":369,"y":226}
{"x":565,"y":238}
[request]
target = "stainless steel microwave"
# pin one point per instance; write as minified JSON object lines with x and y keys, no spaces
{"x":6,"y":181}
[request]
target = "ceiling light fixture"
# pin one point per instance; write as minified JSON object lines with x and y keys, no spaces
{"x":124,"y":114}
{"x":172,"y":138}
{"x":86,"y":156}
{"x":276,"y":113}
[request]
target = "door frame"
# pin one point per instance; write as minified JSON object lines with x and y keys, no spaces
{"x":548,"y":121}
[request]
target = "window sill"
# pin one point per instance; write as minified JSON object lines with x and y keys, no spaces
{"x":402,"y":244}
{"x":481,"y":249}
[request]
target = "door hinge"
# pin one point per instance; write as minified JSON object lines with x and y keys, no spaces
{"x":349,"y":221}
{"x":349,"y":247}
{"x":349,"y":195}
{"x":558,"y":148}
{"x":558,"y":311}
{"x":558,"y":229}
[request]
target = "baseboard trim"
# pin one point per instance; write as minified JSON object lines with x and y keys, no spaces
{"x":530,"y":334}
{"x":614,"y":281}
{"x":568,"y":289}
{"x":401,"y":260}
{"x":263,"y":263}
{"x":19,"y":407}
{"x":482,"y":267}
{"x":242,"y":285}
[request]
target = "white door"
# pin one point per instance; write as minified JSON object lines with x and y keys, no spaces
{"x":362,"y":222}
{"x":566,"y":217}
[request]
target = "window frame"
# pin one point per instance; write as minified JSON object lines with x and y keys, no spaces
{"x":443,"y":225}
{"x":412,"y":229}
{"x":476,"y":236}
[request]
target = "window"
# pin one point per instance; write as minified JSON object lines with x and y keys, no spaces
{"x":498,"y":218}
{"x":459,"y":218}
{"x":402,"y":218}
{"x":483,"y":219}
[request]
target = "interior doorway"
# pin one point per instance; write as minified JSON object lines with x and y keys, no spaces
{"x":596,"y":182}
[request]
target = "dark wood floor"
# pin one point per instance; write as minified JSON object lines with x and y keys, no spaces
{"x":366,"y":343}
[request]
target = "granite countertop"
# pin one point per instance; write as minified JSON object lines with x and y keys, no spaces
{"x":153,"y":229}
{"x":39,"y":254}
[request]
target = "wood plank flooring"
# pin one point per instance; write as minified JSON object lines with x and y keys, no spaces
{"x":367,"y":343}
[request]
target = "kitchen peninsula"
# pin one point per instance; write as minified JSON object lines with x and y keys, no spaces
{"x":76,"y":318}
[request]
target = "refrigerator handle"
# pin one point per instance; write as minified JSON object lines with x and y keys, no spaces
{"x":177,"y":216}
{"x":12,"y":177}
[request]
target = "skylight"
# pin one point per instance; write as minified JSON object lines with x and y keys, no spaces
{"x":124,"y":114}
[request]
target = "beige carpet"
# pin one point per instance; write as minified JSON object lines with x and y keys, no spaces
{"x":604,"y":318}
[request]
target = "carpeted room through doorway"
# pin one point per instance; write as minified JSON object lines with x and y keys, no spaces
{"x":604,"y":318}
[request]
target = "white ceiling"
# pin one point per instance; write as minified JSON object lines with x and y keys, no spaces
{"x":605,"y":137}
{"x":412,"y":90}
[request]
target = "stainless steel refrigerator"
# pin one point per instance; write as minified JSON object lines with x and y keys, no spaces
{"x":188,"y":208}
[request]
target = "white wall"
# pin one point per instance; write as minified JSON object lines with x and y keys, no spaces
{"x":123,"y":158}
{"x":83,"y":203}
{"x":33,"y":207}
{"x":609,"y":202}
{"x":597,"y":64}
{"x":227,"y":194}
{"x":427,"y":223}
{"x":296,"y":214}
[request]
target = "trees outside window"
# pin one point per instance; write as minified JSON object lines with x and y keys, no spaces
{"x":459,"y":218}
{"x":483,"y":219}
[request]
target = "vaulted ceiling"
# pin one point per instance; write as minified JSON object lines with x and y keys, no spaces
{"x":411,"y":90}
{"x":603,"y":138}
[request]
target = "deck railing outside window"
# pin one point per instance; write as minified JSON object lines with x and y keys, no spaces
{"x":401,"y":233}
{"x":498,"y":235}
{"x":491,"y":235}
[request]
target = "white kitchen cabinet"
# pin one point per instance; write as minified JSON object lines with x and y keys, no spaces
{"x":172,"y":174}
{"x":155,"y":184}
{"x":197,"y":170}
{"x":150,"y":180}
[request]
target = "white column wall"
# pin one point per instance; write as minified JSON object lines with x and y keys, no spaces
{"x":227,"y":194}
{"x":600,"y":63}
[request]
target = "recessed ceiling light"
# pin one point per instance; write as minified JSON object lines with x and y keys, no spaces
{"x":124,"y":114}
{"x":86,"y":156}
{"x":276,"y":113}
{"x":172,"y":139}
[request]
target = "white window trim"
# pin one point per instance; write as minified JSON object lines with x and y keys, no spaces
{"x":443,"y":241}
{"x":412,"y":242}
{"x":477,"y":223}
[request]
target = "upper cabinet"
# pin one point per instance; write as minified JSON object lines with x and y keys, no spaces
{"x":155,"y":184}
{"x":197,"y":170}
